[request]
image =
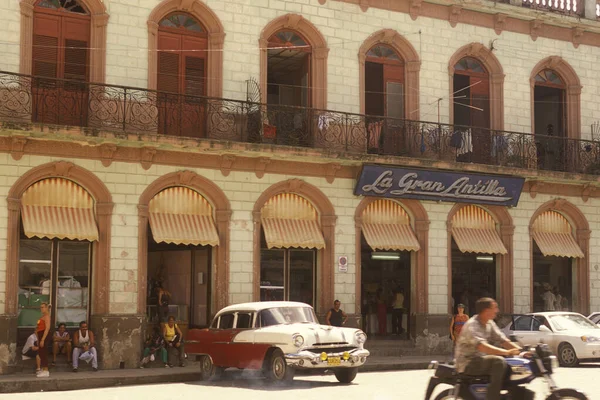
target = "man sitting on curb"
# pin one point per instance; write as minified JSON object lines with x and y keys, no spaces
{"x":30,"y":350}
{"x":62,"y":343}
{"x":84,"y":347}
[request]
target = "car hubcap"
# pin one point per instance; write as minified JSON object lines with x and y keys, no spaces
{"x":568,"y":355}
{"x":278,"y":367}
{"x":206,"y":364}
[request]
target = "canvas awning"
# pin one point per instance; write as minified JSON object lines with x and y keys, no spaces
{"x":474,"y":231}
{"x":290,"y":221}
{"x":58,"y":208}
{"x":386,"y":226}
{"x":553,"y":234}
{"x":182,"y":216}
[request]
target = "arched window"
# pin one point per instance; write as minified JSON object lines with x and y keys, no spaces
{"x":471,"y":98}
{"x":60,"y":50}
{"x":182,"y":57}
{"x":550,"y":119}
{"x":384,"y":82}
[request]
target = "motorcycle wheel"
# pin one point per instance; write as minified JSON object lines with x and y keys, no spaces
{"x":447,"y":395}
{"x":564,"y":394}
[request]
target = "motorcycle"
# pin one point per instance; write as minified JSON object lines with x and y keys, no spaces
{"x":520,"y":371}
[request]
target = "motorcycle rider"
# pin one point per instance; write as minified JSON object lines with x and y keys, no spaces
{"x":481,"y":347}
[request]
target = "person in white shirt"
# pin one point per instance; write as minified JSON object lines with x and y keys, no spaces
{"x":548,"y":297}
{"x":30,"y":350}
{"x":84,"y":343}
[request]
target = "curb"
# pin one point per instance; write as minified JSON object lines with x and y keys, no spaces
{"x":95,"y":382}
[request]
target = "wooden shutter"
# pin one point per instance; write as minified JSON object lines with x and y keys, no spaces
{"x":393,"y":75}
{"x":46,"y":30}
{"x":194,"y":76}
{"x":480,"y":98}
{"x":168,"y":72}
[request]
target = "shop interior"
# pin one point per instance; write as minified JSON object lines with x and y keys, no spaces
{"x":473,"y":276}
{"x":184,"y":271}
{"x":383,"y":273}
{"x":555,"y":274}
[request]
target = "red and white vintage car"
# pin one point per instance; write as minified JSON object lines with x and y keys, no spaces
{"x":277,"y":338}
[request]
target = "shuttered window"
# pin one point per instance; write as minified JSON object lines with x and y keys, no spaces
{"x":168,"y":72}
{"x":194,"y":76}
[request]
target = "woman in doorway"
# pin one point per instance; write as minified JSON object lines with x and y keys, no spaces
{"x":174,"y":338}
{"x":458,"y":320}
{"x":163,"y":299}
{"x":42,"y":329}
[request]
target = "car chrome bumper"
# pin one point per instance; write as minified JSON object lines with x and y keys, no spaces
{"x":308,"y":359}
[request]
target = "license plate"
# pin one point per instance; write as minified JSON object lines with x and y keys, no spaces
{"x":333,"y":361}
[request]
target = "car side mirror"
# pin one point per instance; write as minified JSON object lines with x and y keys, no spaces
{"x":544,"y":328}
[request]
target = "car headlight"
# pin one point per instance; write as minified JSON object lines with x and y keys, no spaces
{"x":590,"y":339}
{"x":298,"y":340}
{"x":361,"y":337}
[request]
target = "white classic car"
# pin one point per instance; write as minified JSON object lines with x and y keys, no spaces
{"x":571,"y":336}
{"x":595,"y":318}
{"x":277,"y":338}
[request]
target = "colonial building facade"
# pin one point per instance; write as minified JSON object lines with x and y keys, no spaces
{"x":306,"y":150}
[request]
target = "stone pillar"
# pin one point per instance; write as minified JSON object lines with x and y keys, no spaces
{"x":119,"y":338}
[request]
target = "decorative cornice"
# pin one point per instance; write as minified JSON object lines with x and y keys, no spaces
{"x":147,"y":157}
{"x":226,"y":164}
{"x":454,"y":14}
{"x":535,"y":27}
{"x":186,"y":177}
{"x":107,"y":152}
{"x":63,"y":168}
{"x":364,"y":5}
{"x":331,"y":171}
{"x":559,"y":204}
{"x":588,"y":191}
{"x":577,"y":33}
{"x":294,"y":185}
{"x":185,"y":5}
{"x":499,"y":23}
{"x":415,"y":9}
{"x":534,"y":187}
{"x":292,"y":21}
{"x":261,"y":166}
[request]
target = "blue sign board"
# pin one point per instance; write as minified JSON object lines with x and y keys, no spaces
{"x":457,"y":187}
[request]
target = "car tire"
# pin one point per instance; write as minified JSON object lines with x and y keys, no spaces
{"x":276,"y":369}
{"x":345,"y":375}
{"x":208,"y":370}
{"x":447,"y":395}
{"x":567,"y":356}
{"x":567,"y":394}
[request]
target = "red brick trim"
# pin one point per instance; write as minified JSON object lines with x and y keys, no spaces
{"x":222,"y":208}
{"x":216,"y":39}
{"x":99,"y":21}
{"x":505,"y":261}
{"x":327,"y":221}
{"x":104,"y":210}
{"x":582,"y":237}
{"x":420,"y":264}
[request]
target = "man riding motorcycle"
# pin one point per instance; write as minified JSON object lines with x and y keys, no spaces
{"x":481,"y":347}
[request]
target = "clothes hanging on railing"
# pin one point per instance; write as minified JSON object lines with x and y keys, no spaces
{"x":499,"y":145}
{"x":466,"y":145}
{"x":298,"y":120}
{"x":374,"y":132}
{"x":324,"y":121}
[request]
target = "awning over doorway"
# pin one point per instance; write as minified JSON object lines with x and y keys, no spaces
{"x":386,"y":226}
{"x":553,"y":234}
{"x":58,"y":208}
{"x":182,"y":216}
{"x":289,"y":221}
{"x":474,"y":231}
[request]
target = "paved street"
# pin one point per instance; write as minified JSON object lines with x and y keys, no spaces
{"x":374,"y":385}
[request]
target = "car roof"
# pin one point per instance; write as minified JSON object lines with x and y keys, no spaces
{"x":261,"y":305}
{"x":551,"y":313}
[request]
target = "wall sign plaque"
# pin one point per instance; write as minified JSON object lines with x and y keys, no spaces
{"x":456,"y":187}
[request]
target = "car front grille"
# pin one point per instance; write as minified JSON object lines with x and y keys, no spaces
{"x":330,"y":349}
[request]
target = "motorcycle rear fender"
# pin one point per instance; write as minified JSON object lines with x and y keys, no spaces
{"x":433,"y":382}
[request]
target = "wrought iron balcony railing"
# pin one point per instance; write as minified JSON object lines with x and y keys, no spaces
{"x":567,"y":7}
{"x":132,"y":110}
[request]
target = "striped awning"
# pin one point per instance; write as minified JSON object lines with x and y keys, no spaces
{"x":386,"y":226}
{"x":553,"y":234}
{"x":182,"y":216}
{"x":290,"y":221}
{"x":474,"y":231}
{"x":58,"y":208}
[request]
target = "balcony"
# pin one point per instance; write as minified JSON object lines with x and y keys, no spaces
{"x":589,"y":9}
{"x":26,"y":99}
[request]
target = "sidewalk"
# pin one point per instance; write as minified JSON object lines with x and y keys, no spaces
{"x":60,"y":381}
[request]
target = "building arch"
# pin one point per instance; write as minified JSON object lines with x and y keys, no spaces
{"x":222,"y":210}
{"x":216,"y":39}
{"x":412,"y":64}
{"x":572,"y":88}
{"x":318,"y":63}
{"x":505,"y":261}
{"x":496,"y":76}
{"x":99,"y":21}
{"x":582,"y":233}
{"x":326,"y":219}
{"x":420,"y":224}
{"x":104,"y":208}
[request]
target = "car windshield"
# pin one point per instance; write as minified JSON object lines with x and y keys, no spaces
{"x":287,"y":315}
{"x":565,"y":322}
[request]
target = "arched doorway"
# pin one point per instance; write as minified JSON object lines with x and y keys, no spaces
{"x":57,"y":230}
{"x":181,"y":237}
{"x":181,"y":80}
{"x":480,"y":256}
{"x":290,"y":240}
{"x":550,"y":119}
{"x":387,"y":260}
{"x":471,"y":111}
{"x":60,"y":62}
{"x":559,"y":258}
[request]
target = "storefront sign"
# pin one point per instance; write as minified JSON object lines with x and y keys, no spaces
{"x":391,"y":182}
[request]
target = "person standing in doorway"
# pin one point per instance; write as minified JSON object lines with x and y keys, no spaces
{"x":456,"y":325}
{"x":381,"y":311}
{"x":548,"y":297}
{"x":164,"y":298}
{"x":335,"y":316}
{"x":398,"y":312}
{"x":42,"y":329}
